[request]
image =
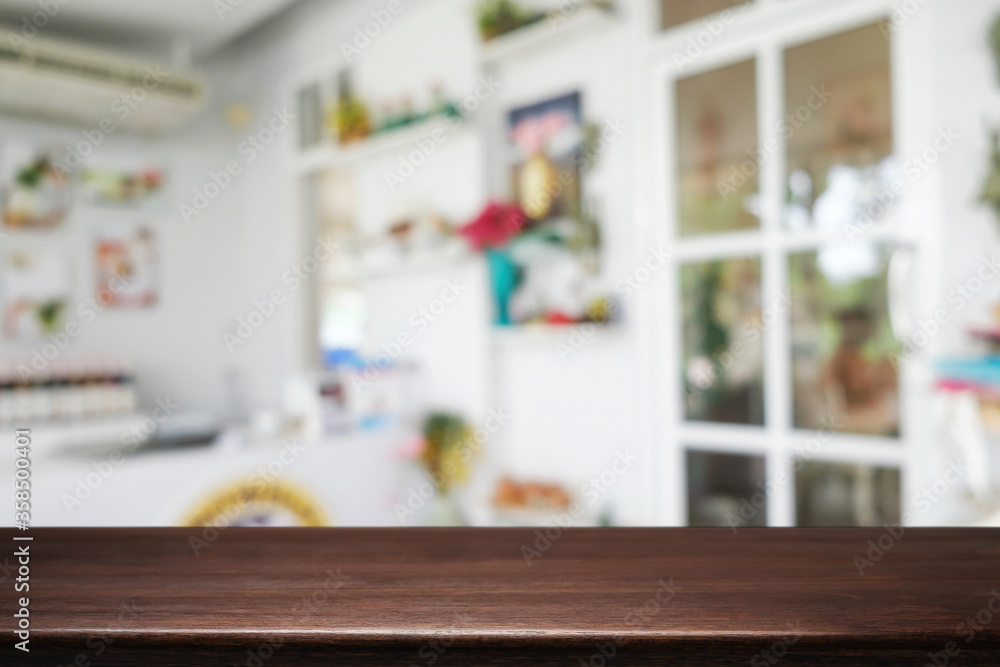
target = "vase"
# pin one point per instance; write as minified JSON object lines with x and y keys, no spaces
{"x":504,"y":277}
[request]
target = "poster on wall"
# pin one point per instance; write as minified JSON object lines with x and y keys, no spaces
{"x":122,"y":179}
{"x":127,"y":266}
{"x":34,"y":193}
{"x":35,"y":286}
{"x":546,"y":139}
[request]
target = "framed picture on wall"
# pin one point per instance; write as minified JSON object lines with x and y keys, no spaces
{"x":35,"y":286}
{"x":546,"y":141}
{"x":34,"y":192}
{"x":126,"y":262}
{"x":121,"y":179}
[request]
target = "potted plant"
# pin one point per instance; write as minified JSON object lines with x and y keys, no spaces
{"x":498,"y":17}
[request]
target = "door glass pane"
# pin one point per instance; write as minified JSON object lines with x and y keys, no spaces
{"x":723,"y":348}
{"x":842,"y":342}
{"x":838,"y":126}
{"x":717,"y":144}
{"x":676,"y":12}
{"x":726,"y":490}
{"x":833,"y":494}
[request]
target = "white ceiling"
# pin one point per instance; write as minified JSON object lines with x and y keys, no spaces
{"x":147,"y":25}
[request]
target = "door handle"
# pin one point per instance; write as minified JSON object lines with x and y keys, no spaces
{"x":899,"y":292}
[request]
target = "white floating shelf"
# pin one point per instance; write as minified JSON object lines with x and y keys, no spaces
{"x":544,"y":31}
{"x":403,"y":268}
{"x":416,"y":266}
{"x":385,"y":144}
{"x":84,"y":433}
{"x":548,"y":334}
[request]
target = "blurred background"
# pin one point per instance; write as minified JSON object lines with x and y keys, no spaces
{"x":502,"y":262}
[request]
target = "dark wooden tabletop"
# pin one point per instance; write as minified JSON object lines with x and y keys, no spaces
{"x":509,"y":596}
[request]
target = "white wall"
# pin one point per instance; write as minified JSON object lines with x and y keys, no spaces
{"x":175,"y":345}
{"x":955,"y":70}
{"x":966,"y":97}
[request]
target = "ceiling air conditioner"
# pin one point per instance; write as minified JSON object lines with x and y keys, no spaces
{"x":41,"y":77}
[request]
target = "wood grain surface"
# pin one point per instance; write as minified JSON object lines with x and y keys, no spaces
{"x":271,"y":596}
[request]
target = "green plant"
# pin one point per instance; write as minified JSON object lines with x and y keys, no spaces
{"x":353,"y":122}
{"x":446,"y":452}
{"x":48,"y":315}
{"x":31,"y":176}
{"x":353,"y":119}
{"x":497,"y":17}
{"x":990,"y":194}
{"x":995,"y":43}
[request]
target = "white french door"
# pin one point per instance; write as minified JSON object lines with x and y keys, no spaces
{"x":779,"y":182}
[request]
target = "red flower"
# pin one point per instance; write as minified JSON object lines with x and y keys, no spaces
{"x":151,"y":178}
{"x":496,"y":225}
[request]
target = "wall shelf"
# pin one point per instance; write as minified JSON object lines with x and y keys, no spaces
{"x":385,"y":144}
{"x":549,"y":334}
{"x":404,"y":268}
{"x":544,"y":32}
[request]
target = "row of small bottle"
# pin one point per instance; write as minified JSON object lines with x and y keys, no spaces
{"x":65,"y":390}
